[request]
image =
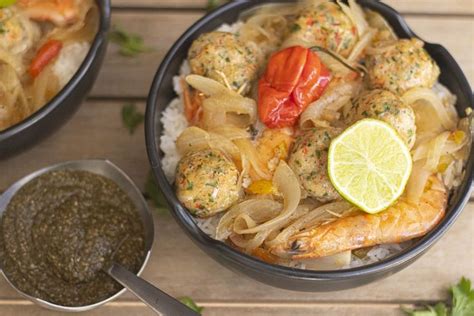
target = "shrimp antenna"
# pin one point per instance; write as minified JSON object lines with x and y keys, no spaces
{"x":358,"y":69}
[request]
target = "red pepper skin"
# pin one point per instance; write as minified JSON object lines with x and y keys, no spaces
{"x":45,"y":55}
{"x":294,"y":78}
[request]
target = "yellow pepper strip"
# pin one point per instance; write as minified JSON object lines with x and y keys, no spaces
{"x":261,"y":187}
{"x":457,"y":136}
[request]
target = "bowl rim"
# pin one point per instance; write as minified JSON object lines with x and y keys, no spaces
{"x":99,"y":40}
{"x":238,"y":258}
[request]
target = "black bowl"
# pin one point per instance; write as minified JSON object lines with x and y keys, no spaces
{"x":290,"y":278}
{"x":61,"y":108}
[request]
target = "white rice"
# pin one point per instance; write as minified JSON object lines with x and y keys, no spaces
{"x":231,"y":28}
{"x":69,"y":60}
{"x":174,"y":123}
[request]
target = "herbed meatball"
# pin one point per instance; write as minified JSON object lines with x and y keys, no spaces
{"x":309,"y":161}
{"x":207,"y":182}
{"x":388,"y":107}
{"x":401,"y":66}
{"x":325,"y":25}
{"x":222,"y":56}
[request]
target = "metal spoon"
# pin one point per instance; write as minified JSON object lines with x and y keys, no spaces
{"x":156,"y":299}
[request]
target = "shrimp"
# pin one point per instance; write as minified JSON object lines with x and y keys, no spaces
{"x":59,"y":12}
{"x":400,"y":222}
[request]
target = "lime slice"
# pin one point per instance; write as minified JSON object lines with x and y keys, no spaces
{"x":369,"y":165}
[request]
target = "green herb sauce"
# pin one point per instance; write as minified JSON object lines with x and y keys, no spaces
{"x":61,"y":229}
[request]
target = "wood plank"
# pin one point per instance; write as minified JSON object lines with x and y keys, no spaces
{"x":96,"y":131}
{"x":423,"y":6}
{"x":210,"y":309}
{"x":131,"y":77}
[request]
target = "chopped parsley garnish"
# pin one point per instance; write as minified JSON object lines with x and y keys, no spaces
{"x":212,"y":4}
{"x":186,"y":300}
{"x":153,"y":192}
{"x":212,"y":184}
{"x":190,"y":186}
{"x":131,"y":117}
{"x":462,"y":303}
{"x":295,"y":27}
{"x":130,"y":44}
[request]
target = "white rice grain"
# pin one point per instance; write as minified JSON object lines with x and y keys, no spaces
{"x":69,"y":60}
{"x":174,"y":123}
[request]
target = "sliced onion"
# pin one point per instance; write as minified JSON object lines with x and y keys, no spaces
{"x":359,"y":17}
{"x":221,"y":103}
{"x":376,"y":20}
{"x":208,"y":86}
{"x":225,"y":226}
{"x":361,"y":45}
{"x":250,"y":152}
{"x":195,"y":139}
{"x":218,"y":107}
{"x":312,"y":219}
{"x":254,"y":241}
{"x":287,"y":184}
{"x":417,"y":182}
{"x":338,"y":95}
{"x":435,"y":151}
{"x":429,"y":98}
{"x":355,"y":13}
{"x":448,"y":147}
{"x":230,"y":132}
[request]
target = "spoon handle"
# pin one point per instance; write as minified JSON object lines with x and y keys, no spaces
{"x":156,"y":299}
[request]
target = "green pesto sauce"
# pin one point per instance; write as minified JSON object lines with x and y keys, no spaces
{"x":61,"y":229}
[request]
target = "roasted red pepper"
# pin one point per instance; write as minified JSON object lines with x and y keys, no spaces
{"x":45,"y":55}
{"x":295,"y":77}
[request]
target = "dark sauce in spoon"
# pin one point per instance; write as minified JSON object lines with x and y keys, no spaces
{"x":61,"y":229}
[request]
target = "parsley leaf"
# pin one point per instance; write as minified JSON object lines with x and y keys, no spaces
{"x":186,"y":300}
{"x":295,"y":28}
{"x":131,"y":118}
{"x":463,"y":298}
{"x":212,"y":4}
{"x":154,"y":193}
{"x":6,"y":3}
{"x":438,"y":310}
{"x":130,"y":44}
{"x":462,"y":303}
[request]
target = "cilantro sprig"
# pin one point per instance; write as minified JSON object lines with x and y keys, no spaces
{"x":130,"y":44}
{"x":154,"y":193}
{"x":462,"y":303}
{"x":212,"y":4}
{"x":186,"y":300}
{"x":131,"y":117}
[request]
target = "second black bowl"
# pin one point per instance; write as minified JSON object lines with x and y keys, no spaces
{"x":161,"y":94}
{"x":56,"y":112}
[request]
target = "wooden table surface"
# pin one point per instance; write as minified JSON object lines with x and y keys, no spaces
{"x":177,"y":265}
